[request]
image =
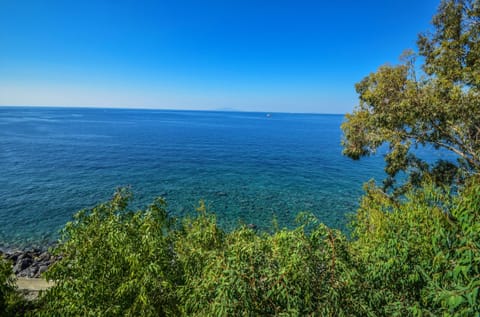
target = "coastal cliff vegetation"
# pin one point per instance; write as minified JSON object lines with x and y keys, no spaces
{"x":416,"y":257}
{"x":413,"y":248}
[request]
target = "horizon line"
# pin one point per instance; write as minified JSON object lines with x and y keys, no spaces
{"x":168,"y":109}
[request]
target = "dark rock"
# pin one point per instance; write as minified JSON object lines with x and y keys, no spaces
{"x":32,"y":271}
{"x":30,"y":263}
{"x":22,"y":256}
{"x":43,"y":257}
{"x":42,"y":269}
{"x":13,"y":256}
{"x":28,"y":272}
{"x":22,"y":264}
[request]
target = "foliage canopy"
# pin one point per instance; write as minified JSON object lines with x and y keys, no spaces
{"x":417,"y":257}
{"x":120,"y":262}
{"x":434,"y":104}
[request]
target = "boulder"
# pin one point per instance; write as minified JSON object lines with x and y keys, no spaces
{"x":42,"y":269}
{"x":22,"y":264}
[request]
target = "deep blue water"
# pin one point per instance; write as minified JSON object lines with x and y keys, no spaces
{"x":249,"y":168}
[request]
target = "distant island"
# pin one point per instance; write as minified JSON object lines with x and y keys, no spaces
{"x":227,"y":109}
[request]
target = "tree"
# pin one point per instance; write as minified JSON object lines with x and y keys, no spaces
{"x":435,"y":105}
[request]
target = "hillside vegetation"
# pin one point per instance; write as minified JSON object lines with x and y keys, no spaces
{"x":420,"y":257}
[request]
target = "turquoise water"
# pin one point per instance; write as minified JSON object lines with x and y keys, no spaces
{"x":248,"y":167}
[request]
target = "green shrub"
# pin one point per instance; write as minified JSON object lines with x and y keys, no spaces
{"x":12,"y":303}
{"x":420,"y":255}
{"x":288,"y":273}
{"x":7,"y":285}
{"x":454,"y":276}
{"x":118,"y":262}
{"x":114,"y":262}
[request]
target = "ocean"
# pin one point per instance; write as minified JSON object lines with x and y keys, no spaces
{"x":249,"y":168}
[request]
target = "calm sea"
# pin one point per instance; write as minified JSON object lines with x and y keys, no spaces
{"x":248,"y":167}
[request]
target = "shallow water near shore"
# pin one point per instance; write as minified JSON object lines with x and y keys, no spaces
{"x":248,"y":167}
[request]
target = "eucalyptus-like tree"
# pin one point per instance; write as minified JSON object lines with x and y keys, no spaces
{"x":432,"y":98}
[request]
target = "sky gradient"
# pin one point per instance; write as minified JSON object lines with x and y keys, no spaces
{"x":283,"y":56}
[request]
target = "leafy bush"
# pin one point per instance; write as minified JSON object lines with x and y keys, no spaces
{"x":7,"y":286}
{"x":12,"y":303}
{"x":392,"y":241}
{"x":415,"y":256}
{"x":114,"y":262}
{"x":420,"y":255}
{"x":286,"y":273}
{"x":454,"y":275}
{"x":119,"y":262}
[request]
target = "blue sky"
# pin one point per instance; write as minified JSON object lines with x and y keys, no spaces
{"x":285,"y":56}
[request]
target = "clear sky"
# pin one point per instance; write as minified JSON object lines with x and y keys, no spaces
{"x":285,"y":56}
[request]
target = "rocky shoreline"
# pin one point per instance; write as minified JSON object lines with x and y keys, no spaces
{"x":29,"y":263}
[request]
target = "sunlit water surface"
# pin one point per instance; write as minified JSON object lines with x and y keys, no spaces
{"x":248,"y":167}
